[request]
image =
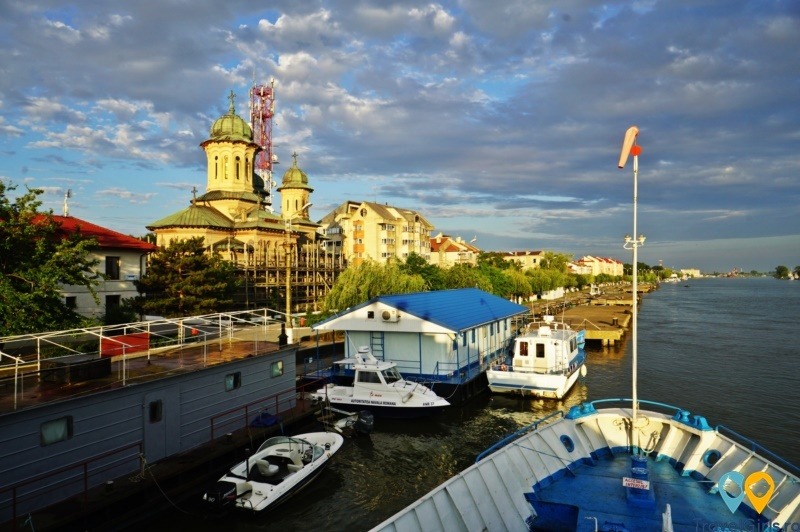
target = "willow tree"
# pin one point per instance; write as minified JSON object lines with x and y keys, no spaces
{"x":520,"y":286}
{"x":361,"y":283}
{"x":36,"y":260}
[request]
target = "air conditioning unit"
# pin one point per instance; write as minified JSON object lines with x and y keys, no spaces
{"x":390,"y":315}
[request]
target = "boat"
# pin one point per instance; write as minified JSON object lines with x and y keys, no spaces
{"x":378,"y":387}
{"x":619,"y":464}
{"x":281,"y":467}
{"x":547,"y":360}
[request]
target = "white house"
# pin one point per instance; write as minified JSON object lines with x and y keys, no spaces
{"x":447,"y":337}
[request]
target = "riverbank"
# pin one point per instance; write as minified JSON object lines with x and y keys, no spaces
{"x":605,"y":316}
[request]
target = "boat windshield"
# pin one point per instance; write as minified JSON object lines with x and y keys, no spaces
{"x":391,"y":375}
{"x":278,"y":440}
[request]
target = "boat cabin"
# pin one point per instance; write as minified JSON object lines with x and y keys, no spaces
{"x":546,"y":351}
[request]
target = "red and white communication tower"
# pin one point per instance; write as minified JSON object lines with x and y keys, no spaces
{"x":262,"y":109}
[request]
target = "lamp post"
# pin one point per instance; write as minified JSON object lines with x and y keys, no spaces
{"x":287,"y":248}
{"x":629,"y":147}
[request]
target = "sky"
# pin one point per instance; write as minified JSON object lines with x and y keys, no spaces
{"x":500,"y":121}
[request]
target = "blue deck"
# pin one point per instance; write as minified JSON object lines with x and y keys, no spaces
{"x":597,"y":491}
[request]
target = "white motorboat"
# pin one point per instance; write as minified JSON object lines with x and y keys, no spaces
{"x":546,"y":362}
{"x":610,"y":465}
{"x":281,"y":467}
{"x":379,"y":388}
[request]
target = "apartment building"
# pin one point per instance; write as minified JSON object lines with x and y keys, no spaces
{"x":361,"y":231}
{"x":526,"y":259}
{"x":447,"y":251}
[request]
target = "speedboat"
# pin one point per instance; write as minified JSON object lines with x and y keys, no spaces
{"x":612,"y":465}
{"x":281,"y":467}
{"x":379,"y":387}
{"x":546,"y":362}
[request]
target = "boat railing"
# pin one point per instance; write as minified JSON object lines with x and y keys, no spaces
{"x":721,"y":429}
{"x":516,"y":434}
{"x":758,"y":448}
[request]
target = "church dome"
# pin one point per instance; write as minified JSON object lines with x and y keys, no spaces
{"x":231,"y":126}
{"x":295,"y":177}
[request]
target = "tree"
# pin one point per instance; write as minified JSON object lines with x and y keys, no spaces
{"x":781,"y":272}
{"x":415,"y":264}
{"x":183,"y":280}
{"x":555,"y":261}
{"x":520,"y":286}
{"x":465,"y":276}
{"x":361,"y":283}
{"x":36,"y":260}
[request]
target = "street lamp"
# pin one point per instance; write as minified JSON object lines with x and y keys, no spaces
{"x":287,"y":249}
{"x":629,"y":147}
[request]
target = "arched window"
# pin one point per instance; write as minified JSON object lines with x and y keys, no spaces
{"x":236,"y":168}
{"x":225,"y":167}
{"x":216,"y":167}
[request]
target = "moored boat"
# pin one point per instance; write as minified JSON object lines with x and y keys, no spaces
{"x":281,"y":467}
{"x":379,"y":388}
{"x":546,"y":362}
{"x":616,"y":468}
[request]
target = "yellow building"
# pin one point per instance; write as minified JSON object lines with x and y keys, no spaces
{"x":271,"y":251}
{"x":231,"y":216}
{"x":360,"y":231}
{"x":526,"y":259}
{"x":447,"y":251}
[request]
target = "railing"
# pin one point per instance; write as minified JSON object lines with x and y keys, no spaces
{"x":240,"y":417}
{"x":516,"y":434}
{"x":81,"y":472}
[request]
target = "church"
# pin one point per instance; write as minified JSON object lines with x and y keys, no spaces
{"x":233,"y":219}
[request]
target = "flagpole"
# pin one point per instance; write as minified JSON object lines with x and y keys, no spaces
{"x":629,"y":147}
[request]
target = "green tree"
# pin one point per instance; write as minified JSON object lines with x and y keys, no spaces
{"x":183,"y":280}
{"x":35,"y":262}
{"x":781,"y":272}
{"x":415,"y":264}
{"x":466,"y":276}
{"x":555,"y":261}
{"x":494,"y":258}
{"x":361,"y":283}
{"x":520,"y":286}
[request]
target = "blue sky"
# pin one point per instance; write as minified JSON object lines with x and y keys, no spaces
{"x":496,"y":120}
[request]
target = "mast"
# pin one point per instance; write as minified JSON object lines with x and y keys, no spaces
{"x":629,"y":147}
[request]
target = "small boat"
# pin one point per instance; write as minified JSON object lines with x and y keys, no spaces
{"x":379,"y":388}
{"x":619,"y":465}
{"x":546,"y":362}
{"x":281,"y":467}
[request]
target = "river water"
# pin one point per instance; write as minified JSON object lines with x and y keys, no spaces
{"x":722,"y":348}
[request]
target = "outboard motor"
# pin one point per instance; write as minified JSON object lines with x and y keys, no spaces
{"x":365,"y":422}
{"x":221,"y":496}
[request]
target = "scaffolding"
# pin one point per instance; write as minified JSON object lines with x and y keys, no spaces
{"x":312,"y":272}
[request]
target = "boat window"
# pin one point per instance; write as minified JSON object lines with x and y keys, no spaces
{"x":391,"y":375}
{"x":233,"y":381}
{"x":539,"y":350}
{"x":56,"y":430}
{"x":368,"y":376}
{"x":276,"y":369}
{"x":523,"y":349}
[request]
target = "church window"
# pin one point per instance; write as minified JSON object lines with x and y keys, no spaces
{"x":236,"y":166}
{"x":216,"y":167}
{"x":225,"y":167}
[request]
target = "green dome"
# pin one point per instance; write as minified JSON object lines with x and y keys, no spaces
{"x":231,"y":126}
{"x":294,"y":177}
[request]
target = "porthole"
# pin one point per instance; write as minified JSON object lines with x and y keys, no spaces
{"x":710,"y":458}
{"x":569,"y":445}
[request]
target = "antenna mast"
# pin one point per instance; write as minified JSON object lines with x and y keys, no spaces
{"x":262,"y":110}
{"x":629,"y":147}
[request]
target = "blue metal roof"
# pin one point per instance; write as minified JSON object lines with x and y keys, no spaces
{"x":458,"y":310}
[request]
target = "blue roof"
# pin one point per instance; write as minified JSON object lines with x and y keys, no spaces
{"x":458,"y":310}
